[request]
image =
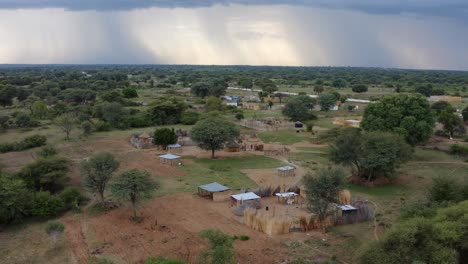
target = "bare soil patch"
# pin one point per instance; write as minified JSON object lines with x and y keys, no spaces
{"x":170,"y":228}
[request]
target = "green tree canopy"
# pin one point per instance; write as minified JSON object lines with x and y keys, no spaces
{"x":299,"y":108}
{"x":212,"y":133}
{"x":438,"y":239}
{"x":134,"y":185}
{"x":14,"y":199}
{"x":407,"y":115}
{"x":166,"y":110}
{"x":323,"y":190}
{"x":359,"y":88}
{"x":48,"y":174}
{"x":371,"y":154}
{"x":39,"y":110}
{"x":97,"y":171}
{"x":164,"y":137}
{"x":214,"y":104}
{"x":327,"y":101}
{"x":130,"y":92}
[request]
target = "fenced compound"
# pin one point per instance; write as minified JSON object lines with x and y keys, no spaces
{"x":266,"y":222}
{"x":268,"y":124}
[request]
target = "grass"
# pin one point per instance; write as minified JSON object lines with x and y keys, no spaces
{"x":310,"y":160}
{"x":318,"y":148}
{"x":224,"y":171}
{"x":285,"y":137}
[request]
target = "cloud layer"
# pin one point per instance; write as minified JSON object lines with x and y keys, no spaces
{"x":446,"y":8}
{"x":231,"y":34}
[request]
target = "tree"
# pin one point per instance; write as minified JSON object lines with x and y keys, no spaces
{"x":439,"y":106}
{"x":451,"y":121}
{"x":14,"y":199}
{"x":97,"y":171}
{"x":189,"y":118}
{"x":437,"y":239}
{"x":339,"y":83}
{"x":212,"y":133}
{"x":323,"y":190}
{"x":299,"y":108}
{"x":407,"y":115}
{"x":318,"y":89}
{"x":112,"y":96}
{"x":166,"y":110}
{"x":164,"y":137}
{"x":200,"y":89}
{"x":113,"y":113}
{"x":371,"y":154}
{"x":425,"y":90}
{"x":7,"y":93}
{"x":130,"y":92}
{"x":214,"y":104}
{"x":245,"y":82}
{"x":39,"y":110}
{"x":359,"y":88}
{"x":48,"y":174}
{"x":327,"y":101}
{"x":66,"y":123}
{"x":134,"y":185}
{"x":267,"y":85}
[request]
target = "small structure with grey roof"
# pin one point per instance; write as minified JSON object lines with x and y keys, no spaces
{"x":174,"y":148}
{"x":169,"y":158}
{"x":214,"y":191}
{"x":286,"y":171}
{"x":250,"y":199}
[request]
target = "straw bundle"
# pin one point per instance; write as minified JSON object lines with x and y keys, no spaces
{"x":345,"y":197}
{"x":314,"y":223}
{"x":271,"y":225}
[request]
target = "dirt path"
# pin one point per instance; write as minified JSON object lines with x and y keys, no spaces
{"x":76,"y":238}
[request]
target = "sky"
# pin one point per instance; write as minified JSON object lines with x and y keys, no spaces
{"x":417,"y":34}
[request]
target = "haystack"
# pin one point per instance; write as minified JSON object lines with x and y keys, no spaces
{"x":345,"y":197}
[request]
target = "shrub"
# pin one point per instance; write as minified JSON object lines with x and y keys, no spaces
{"x":46,"y":205}
{"x":87,"y":128}
{"x":162,"y":260}
{"x":101,"y":126}
{"x":138,"y":121}
{"x":26,"y":143}
{"x":239,"y":115}
{"x":54,"y":226}
{"x":71,"y":197}
{"x":189,"y":118}
{"x":47,"y":151}
{"x":459,"y":150}
{"x":444,"y":190}
{"x":45,"y":174}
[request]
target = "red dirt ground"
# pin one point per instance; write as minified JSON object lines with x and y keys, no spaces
{"x":179,"y":219}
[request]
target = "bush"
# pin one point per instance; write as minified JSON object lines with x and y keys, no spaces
{"x":189,"y":118}
{"x":71,"y":198}
{"x":444,"y":190}
{"x":53,"y":227}
{"x":26,"y":143}
{"x":459,"y":150}
{"x":138,"y":121}
{"x":162,"y":260}
{"x":101,"y":126}
{"x":87,"y":128}
{"x":47,"y":151}
{"x":239,"y":115}
{"x":45,"y":205}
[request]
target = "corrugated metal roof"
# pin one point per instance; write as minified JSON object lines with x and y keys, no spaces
{"x":286,"y":168}
{"x":214,"y":187}
{"x":245,"y":196}
{"x":169,"y":156}
{"x":347,"y":207}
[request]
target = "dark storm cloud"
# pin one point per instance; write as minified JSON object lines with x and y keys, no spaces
{"x":444,"y":8}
